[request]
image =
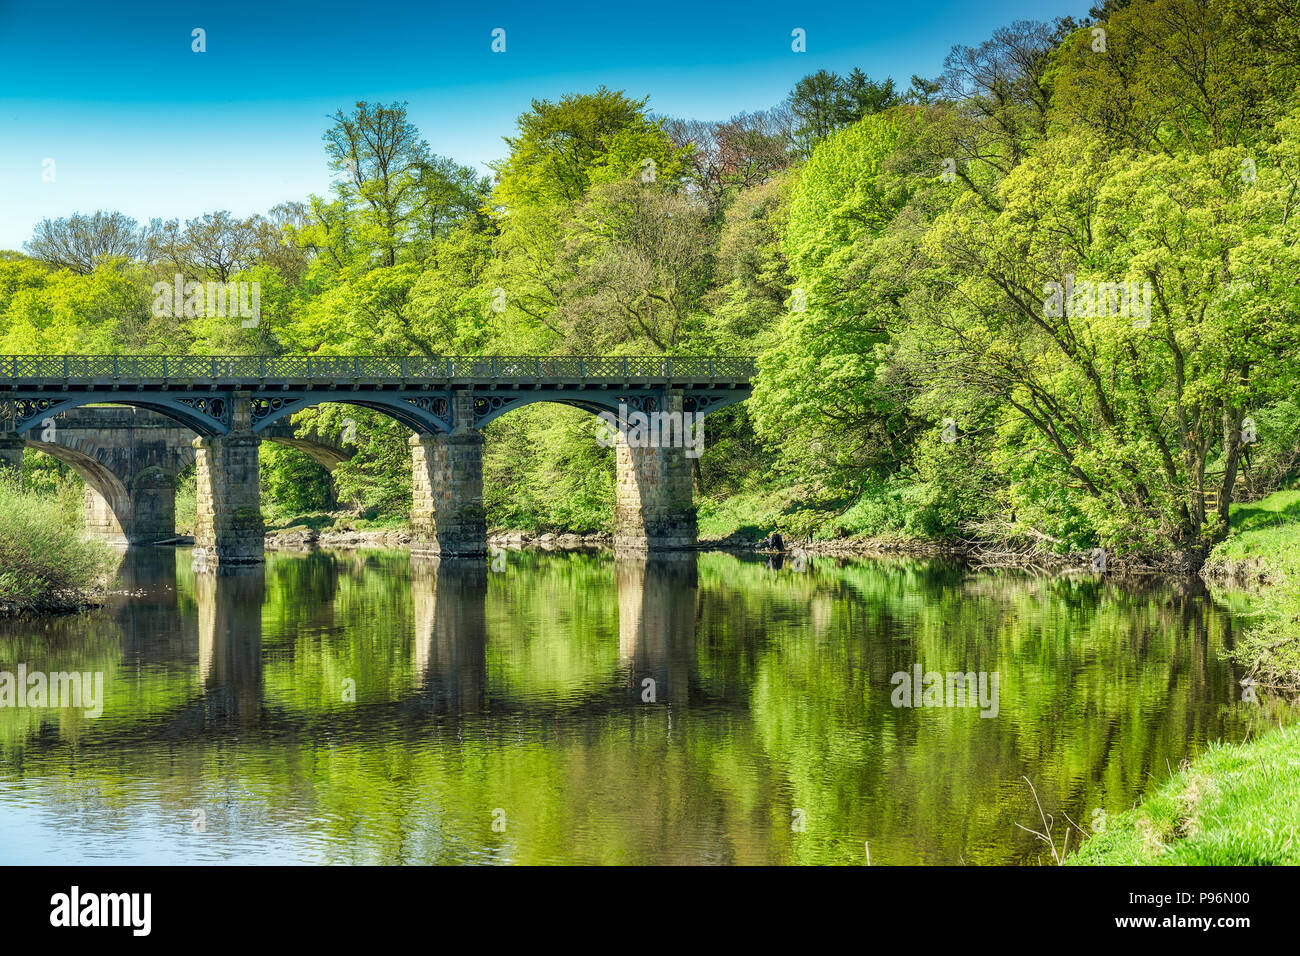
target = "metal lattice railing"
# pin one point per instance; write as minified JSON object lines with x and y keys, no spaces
{"x":327,"y":368}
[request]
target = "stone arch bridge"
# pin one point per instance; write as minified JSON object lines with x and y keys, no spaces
{"x":216,"y":411}
{"x":130,"y":459}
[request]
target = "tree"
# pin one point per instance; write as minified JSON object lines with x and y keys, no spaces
{"x":448,"y":195}
{"x":729,"y":157}
{"x":1113,"y":401}
{"x":563,"y":148}
{"x":381,"y":162}
{"x":81,"y":242}
{"x":278,"y":240}
{"x":1003,"y":89}
{"x":824,"y":102}
{"x":639,"y":260}
{"x":104,"y":312}
{"x":563,"y":151}
{"x":869,"y":96}
{"x":922,"y":92}
{"x":1180,"y":74}
{"x":752,"y":281}
{"x":824,"y":394}
{"x":214,"y":245}
{"x":366,"y":313}
{"x":820,"y":105}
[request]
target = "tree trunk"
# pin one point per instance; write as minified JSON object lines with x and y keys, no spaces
{"x":1232,"y":419}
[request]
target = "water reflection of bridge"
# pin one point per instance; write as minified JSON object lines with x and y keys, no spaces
{"x":449,"y":646}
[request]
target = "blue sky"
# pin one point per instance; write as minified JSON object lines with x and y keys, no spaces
{"x":134,"y":120}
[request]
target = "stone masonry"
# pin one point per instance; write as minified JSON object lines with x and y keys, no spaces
{"x":228,"y":528}
{"x":447,"y":514}
{"x":654,"y":509}
{"x":129,"y":459}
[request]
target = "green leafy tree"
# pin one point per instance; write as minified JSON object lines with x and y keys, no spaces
{"x":1127,"y":415}
{"x":384,"y":170}
{"x":824,"y":393}
{"x":564,"y":147}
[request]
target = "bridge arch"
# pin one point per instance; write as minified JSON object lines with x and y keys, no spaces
{"x":129,"y":460}
{"x":109,"y":510}
{"x":327,"y":456}
{"x":444,"y":411}
{"x":207,"y":415}
{"x":489,"y":406}
{"x":422,"y":413}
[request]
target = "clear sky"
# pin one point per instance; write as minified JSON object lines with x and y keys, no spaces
{"x":135,"y":120}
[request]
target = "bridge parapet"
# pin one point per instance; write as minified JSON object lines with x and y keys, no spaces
{"x":458,"y":371}
{"x":199,"y":391}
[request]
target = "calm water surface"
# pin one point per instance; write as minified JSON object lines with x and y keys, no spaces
{"x":354,"y":707}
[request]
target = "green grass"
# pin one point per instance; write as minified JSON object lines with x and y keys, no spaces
{"x":751,"y":515}
{"x":1267,"y":531}
{"x":1235,"y":805}
{"x":884,"y":512}
{"x":1279,"y":508}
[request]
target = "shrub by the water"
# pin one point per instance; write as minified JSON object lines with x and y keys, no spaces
{"x":46,"y":562}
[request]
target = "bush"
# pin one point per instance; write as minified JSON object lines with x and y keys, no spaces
{"x":46,"y":562}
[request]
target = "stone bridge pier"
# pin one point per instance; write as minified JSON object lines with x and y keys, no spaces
{"x":228,"y":527}
{"x":654,"y":506}
{"x":447,"y":514}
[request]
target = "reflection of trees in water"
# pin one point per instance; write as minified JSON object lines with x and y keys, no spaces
{"x":521,"y":690}
{"x":90,"y":642}
{"x":1100,"y":687}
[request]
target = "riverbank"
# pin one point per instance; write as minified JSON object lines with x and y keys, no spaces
{"x":1234,"y":804}
{"x":980,"y":554}
{"x":1259,"y":564}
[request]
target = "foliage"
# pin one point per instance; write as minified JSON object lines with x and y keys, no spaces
{"x":291,"y":482}
{"x":824,"y":392}
{"x":45,"y":560}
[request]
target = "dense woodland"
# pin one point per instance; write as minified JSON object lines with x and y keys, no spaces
{"x":888,"y":252}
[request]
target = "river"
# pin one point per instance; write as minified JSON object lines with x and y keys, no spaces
{"x":356,"y":707}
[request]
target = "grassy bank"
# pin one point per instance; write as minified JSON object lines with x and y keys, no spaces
{"x":46,"y":562}
{"x":1235,"y":804}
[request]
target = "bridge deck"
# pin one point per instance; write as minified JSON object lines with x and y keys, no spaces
{"x":256,"y":372}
